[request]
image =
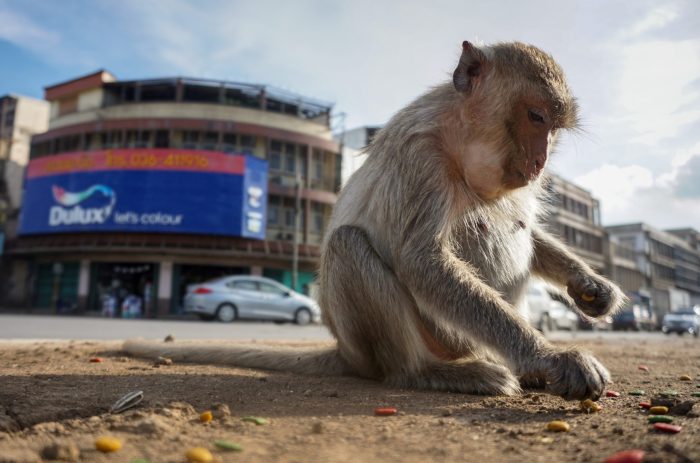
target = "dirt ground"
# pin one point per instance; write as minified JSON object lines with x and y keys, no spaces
{"x":51,"y":393}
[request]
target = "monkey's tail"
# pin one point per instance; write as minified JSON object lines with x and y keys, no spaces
{"x":307,"y":361}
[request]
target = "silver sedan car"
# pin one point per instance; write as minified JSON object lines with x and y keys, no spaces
{"x":250,"y":297}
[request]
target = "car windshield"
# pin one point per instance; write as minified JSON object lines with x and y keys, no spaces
{"x":685,"y":312}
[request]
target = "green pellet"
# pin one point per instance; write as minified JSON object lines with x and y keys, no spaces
{"x":696,"y":394}
{"x":660,"y":419}
{"x":669,"y":393}
{"x":254,"y":419}
{"x":638,"y":392}
{"x":228,"y":445}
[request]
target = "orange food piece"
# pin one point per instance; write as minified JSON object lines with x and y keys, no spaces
{"x":385,"y":411}
{"x":96,"y":360}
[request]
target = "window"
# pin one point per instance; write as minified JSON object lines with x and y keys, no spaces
{"x":162,"y":139}
{"x":318,"y":166}
{"x":274,"y":156}
{"x":290,"y":165}
{"x":247,"y":144}
{"x":158,"y":92}
{"x":272,"y":215}
{"x":201,"y":93}
{"x":289,"y":217}
{"x":243,"y":284}
{"x":270,"y":289}
{"x":210,"y":140}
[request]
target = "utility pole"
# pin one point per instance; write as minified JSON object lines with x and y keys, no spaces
{"x":297,"y":226}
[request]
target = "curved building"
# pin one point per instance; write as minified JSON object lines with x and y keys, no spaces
{"x":144,"y":187}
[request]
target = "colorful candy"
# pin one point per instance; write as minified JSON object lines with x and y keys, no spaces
{"x":107,"y":444}
{"x":385,"y":411}
{"x":558,"y":426}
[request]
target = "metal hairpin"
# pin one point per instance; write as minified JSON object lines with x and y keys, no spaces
{"x":129,"y":400}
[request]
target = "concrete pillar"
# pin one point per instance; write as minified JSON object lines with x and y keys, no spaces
{"x":256,"y":270}
{"x":165,"y":287}
{"x":83,"y":284}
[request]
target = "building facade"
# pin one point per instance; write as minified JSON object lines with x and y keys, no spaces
{"x":172,"y":143}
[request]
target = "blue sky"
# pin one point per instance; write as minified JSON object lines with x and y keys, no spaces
{"x":634,"y":65}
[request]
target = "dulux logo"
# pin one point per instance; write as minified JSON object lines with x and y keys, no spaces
{"x":69,"y":212}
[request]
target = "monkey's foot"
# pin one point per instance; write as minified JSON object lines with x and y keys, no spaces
{"x":595,"y":296}
{"x":533,"y":381}
{"x":468,"y":377}
{"x":576,"y":375}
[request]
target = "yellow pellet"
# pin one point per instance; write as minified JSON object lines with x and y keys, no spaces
{"x":685,"y":378}
{"x":659,"y":410}
{"x":199,"y":455}
{"x":558,"y":426}
{"x":107,"y":444}
{"x":206,"y":417}
{"x":589,"y":406}
{"x":587,"y":297}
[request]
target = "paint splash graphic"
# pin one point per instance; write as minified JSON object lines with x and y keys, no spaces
{"x":68,"y":199}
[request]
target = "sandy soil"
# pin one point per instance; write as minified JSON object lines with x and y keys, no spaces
{"x":51,"y":393}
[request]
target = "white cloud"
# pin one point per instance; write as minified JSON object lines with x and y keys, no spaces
{"x":24,"y":32}
{"x":618,"y":185}
{"x":654,"y":20}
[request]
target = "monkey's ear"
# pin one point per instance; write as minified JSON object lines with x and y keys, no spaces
{"x":471,"y":67}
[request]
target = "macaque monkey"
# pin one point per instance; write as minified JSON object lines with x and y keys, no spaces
{"x":434,"y":239}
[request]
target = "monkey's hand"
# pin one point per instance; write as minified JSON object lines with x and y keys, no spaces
{"x":595,"y":295}
{"x":573,"y":374}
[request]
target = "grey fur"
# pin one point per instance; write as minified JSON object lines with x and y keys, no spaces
{"x":428,"y":252}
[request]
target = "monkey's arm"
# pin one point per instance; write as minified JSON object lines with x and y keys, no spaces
{"x":593,"y":294}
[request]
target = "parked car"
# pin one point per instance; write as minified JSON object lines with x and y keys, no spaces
{"x":250,"y":297}
{"x":682,"y":321}
{"x":636,"y":318}
{"x":545,"y":312}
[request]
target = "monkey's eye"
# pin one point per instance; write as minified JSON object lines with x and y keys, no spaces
{"x":536,"y":116}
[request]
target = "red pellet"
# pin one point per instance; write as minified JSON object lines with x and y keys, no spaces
{"x":96,"y":360}
{"x":665,"y":427}
{"x":385,"y":411}
{"x":612,"y":394}
{"x":643,"y":367}
{"x":626,"y":456}
{"x":645,"y":405}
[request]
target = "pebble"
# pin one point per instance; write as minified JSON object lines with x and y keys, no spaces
{"x":645,"y":405}
{"x":254,"y":419}
{"x":385,"y":411}
{"x":163,"y":361}
{"x":682,"y":408}
{"x":228,"y":445}
{"x":558,"y":426}
{"x":107,"y":444}
{"x":221,"y":411}
{"x":96,"y":360}
{"x":63,"y":451}
{"x":685,"y":378}
{"x":206,"y":417}
{"x":317,"y":427}
{"x":199,"y":455}
{"x":612,"y":394}
{"x":589,"y":406}
{"x":664,"y":427}
{"x":660,"y":419}
{"x":169,"y":338}
{"x":643,"y":367}
{"x":626,"y":456}
{"x":658,"y":410}
{"x":637,"y":392}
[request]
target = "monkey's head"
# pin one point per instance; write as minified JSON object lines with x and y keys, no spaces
{"x":514,"y":99}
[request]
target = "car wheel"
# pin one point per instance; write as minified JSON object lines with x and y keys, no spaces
{"x":226,"y":313}
{"x":205,"y":317}
{"x":302,"y":317}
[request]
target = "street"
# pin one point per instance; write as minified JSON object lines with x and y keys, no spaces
{"x":42,"y":327}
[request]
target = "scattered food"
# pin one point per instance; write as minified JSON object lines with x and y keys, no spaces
{"x":658,"y":410}
{"x":637,"y":392}
{"x":645,"y":405}
{"x":169,"y":338}
{"x":385,"y":411}
{"x":669,"y":393}
{"x":206,"y":417}
{"x":612,"y":394}
{"x":96,"y":360}
{"x":626,"y":456}
{"x":163,"y":361}
{"x":685,"y":378}
{"x":199,"y":455}
{"x":665,"y":427}
{"x":643,"y":367}
{"x":108,"y":444}
{"x":589,"y":406}
{"x":695,"y":394}
{"x":63,"y":451}
{"x":558,"y":426}
{"x":660,"y":419}
{"x":128,"y":401}
{"x":227,"y":445}
{"x":254,"y":419}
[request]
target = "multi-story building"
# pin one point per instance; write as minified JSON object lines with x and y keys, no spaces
{"x":670,"y":265}
{"x":688,"y":262}
{"x":574,"y":215}
{"x":143,"y":187}
{"x":20,"y":118}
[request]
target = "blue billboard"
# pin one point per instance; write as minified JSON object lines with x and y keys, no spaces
{"x":161,"y":190}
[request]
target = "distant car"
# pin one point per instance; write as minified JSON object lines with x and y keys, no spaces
{"x":545,"y":312}
{"x":635,"y":318}
{"x":249,"y":297}
{"x":682,"y":321}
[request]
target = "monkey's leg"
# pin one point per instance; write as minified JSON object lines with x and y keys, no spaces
{"x":593,"y":294}
{"x":379,"y":334}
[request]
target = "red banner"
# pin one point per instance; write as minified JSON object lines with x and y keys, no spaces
{"x":137,"y":159}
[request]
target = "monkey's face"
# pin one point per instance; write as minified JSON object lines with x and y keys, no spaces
{"x":531,"y":133}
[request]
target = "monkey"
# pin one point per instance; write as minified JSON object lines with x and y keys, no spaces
{"x":433,"y":240}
